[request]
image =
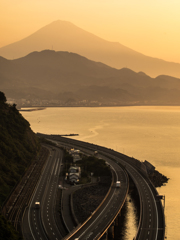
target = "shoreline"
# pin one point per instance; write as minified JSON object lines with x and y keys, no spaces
{"x":158,"y":179}
{"x":30,"y":109}
{"x":102,"y":106}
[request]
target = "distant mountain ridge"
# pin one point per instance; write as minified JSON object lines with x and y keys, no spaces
{"x":65,"y":36}
{"x":68,"y":79}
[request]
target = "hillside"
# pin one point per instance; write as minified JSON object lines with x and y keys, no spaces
{"x":50,"y":78}
{"x":18,"y":146}
{"x":65,"y":36}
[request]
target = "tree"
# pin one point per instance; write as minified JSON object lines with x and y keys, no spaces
{"x":2,"y":97}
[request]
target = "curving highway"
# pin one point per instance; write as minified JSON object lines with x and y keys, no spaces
{"x":152,"y":223}
{"x":103,"y":217}
{"x":40,"y":223}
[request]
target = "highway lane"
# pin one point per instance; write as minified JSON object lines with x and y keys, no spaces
{"x":151,"y":226}
{"x":47,"y":212}
{"x":149,"y":221}
{"x":32,"y":224}
{"x":101,"y":219}
{"x":148,"y":227}
{"x":40,"y":223}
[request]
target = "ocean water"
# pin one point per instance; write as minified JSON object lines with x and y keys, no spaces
{"x":146,"y":133}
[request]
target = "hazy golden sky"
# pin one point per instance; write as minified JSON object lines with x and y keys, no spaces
{"x":151,"y":27}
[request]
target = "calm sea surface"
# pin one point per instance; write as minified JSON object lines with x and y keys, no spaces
{"x":146,"y":133}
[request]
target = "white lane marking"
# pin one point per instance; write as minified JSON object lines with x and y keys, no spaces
{"x":149,"y":201}
{"x":32,"y":201}
{"x":56,"y":166}
{"x":99,"y":215}
{"x":53,"y":167}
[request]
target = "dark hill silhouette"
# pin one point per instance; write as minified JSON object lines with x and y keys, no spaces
{"x":62,"y":75}
{"x":18,"y":149}
{"x":65,"y":36}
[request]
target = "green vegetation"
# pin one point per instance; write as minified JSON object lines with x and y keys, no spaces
{"x":88,"y":164}
{"x":95,"y":165}
{"x":68,"y":161}
{"x":18,"y":146}
{"x":7,"y":232}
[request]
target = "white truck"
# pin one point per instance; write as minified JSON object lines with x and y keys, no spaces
{"x":37,"y":204}
{"x":118,"y":184}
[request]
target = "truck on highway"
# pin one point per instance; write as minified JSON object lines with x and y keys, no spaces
{"x":118,"y":184}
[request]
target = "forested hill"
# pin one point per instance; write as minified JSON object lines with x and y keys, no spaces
{"x":18,"y":147}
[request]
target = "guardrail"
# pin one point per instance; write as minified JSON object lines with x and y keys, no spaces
{"x":161,"y":219}
{"x":106,"y":227}
{"x":161,"y":228}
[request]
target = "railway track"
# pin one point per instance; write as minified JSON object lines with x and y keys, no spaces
{"x":20,"y":197}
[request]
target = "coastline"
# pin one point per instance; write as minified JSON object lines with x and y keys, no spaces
{"x":30,"y":109}
{"x":158,"y":179}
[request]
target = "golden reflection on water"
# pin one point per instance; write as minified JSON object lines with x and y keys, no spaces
{"x":146,"y":133}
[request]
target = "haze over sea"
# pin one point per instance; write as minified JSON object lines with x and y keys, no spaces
{"x":146,"y":133}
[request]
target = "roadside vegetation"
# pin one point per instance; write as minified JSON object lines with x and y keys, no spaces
{"x":90,"y":165}
{"x":18,"y":147}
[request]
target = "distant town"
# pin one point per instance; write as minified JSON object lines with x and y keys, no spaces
{"x":23,"y":103}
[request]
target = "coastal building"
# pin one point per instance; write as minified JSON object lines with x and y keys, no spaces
{"x":75,"y":155}
{"x":74,"y":174}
